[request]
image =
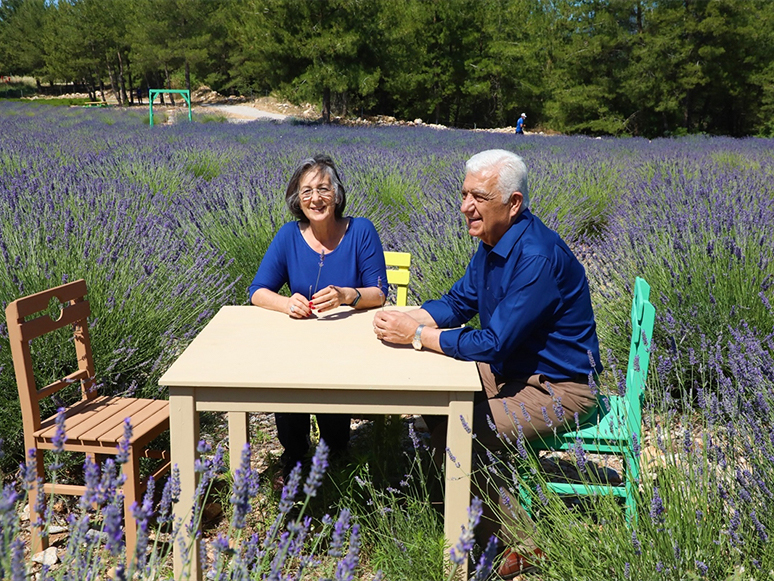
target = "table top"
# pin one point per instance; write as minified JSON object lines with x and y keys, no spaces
{"x":248,"y":347}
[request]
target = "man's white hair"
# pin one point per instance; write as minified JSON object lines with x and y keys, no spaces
{"x":511,"y":170}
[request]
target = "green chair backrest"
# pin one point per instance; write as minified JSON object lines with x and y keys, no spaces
{"x":643,"y":319}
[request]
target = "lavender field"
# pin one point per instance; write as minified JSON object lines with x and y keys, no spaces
{"x":167,"y":224}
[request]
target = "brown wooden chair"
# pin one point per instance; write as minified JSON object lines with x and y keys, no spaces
{"x":94,"y":425}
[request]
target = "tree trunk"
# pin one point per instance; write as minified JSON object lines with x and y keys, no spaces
{"x":160,"y":85}
{"x":131,"y":82}
{"x":101,"y":86}
{"x":326,"y":105}
{"x":90,"y":88}
{"x":121,"y":82}
{"x":169,"y":85}
{"x":113,"y":82}
{"x":188,"y":76}
{"x":687,"y":111}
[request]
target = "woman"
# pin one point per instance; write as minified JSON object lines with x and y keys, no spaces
{"x":327,"y":260}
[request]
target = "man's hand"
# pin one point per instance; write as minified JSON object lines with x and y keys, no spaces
{"x":395,"y":327}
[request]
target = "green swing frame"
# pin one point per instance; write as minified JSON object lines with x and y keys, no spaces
{"x":185,"y":93}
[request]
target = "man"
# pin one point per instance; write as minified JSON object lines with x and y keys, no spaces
{"x":520,"y":124}
{"x":538,"y":336}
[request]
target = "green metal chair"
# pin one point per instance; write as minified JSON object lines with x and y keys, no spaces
{"x":616,"y":427}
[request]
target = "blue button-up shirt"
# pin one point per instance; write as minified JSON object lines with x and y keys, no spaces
{"x":533,"y":300}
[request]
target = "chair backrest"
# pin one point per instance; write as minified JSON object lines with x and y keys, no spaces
{"x":74,"y":311}
{"x":398,"y":264}
{"x":643,"y":318}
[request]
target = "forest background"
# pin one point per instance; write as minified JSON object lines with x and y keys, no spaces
{"x":618,"y":67}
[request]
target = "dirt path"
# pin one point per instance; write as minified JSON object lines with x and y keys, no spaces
{"x":241,"y":113}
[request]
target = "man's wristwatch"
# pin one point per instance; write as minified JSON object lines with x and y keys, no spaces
{"x":357,"y":298}
{"x":416,"y":342}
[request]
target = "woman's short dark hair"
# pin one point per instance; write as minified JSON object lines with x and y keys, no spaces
{"x":320,"y":163}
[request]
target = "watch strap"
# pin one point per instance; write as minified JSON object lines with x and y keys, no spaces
{"x":416,"y":342}
{"x":353,"y":304}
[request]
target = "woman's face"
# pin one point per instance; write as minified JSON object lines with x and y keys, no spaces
{"x":317,"y":196}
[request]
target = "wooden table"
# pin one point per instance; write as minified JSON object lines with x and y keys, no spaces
{"x":249,"y":359}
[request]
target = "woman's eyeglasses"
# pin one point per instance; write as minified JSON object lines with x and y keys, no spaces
{"x":323,"y":191}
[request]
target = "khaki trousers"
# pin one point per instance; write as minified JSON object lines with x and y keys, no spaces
{"x":536,"y":404}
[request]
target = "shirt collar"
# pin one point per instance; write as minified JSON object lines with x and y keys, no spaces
{"x":512,"y":235}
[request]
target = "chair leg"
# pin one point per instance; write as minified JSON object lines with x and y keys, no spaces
{"x":38,"y":542}
{"x":632,"y":477}
{"x":131,"y":495}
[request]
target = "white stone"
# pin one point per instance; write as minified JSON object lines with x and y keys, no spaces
{"x":56,"y":529}
{"x":25,"y":513}
{"x":418,"y":121}
{"x":47,"y":557}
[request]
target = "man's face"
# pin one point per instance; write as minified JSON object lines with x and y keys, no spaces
{"x":482,"y":205}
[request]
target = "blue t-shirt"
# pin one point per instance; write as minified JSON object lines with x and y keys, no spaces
{"x":534,"y":303}
{"x":357,"y":262}
{"x":520,"y":125}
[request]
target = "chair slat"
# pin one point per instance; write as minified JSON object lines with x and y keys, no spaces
{"x":398,"y":277}
{"x":38,"y":302}
{"x":397,"y":259}
{"x":143,"y":411}
{"x":45,"y":324}
{"x":110,"y":420}
{"x":52,"y":388}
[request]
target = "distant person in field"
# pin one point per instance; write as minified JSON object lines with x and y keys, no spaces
{"x":327,"y":260}
{"x":537,"y":345}
{"x":520,"y":124}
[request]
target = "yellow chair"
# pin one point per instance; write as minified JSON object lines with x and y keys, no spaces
{"x":398,"y":264}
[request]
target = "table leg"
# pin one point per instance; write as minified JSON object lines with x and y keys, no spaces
{"x":184,"y":432}
{"x":457,"y":497}
{"x":238,"y":436}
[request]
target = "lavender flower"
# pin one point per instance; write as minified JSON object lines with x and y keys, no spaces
{"x":345,"y":570}
{"x":657,"y":509}
{"x":169,"y":496}
{"x":59,"y":436}
{"x":452,"y":457}
{"x":339,"y":531}
{"x":18,"y":567}
{"x":636,"y":543}
{"x":112,"y":516}
{"x":245,"y":487}
{"x":319,"y":466}
{"x":546,"y":419}
{"x":459,"y":552}
{"x":486,"y":561}
{"x":123,"y":444}
{"x":319,"y":270}
{"x":759,"y":528}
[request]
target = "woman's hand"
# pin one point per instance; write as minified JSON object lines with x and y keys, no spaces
{"x":298,"y":306}
{"x":329,"y":298}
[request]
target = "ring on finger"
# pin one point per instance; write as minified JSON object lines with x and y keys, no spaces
{"x":292,"y":308}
